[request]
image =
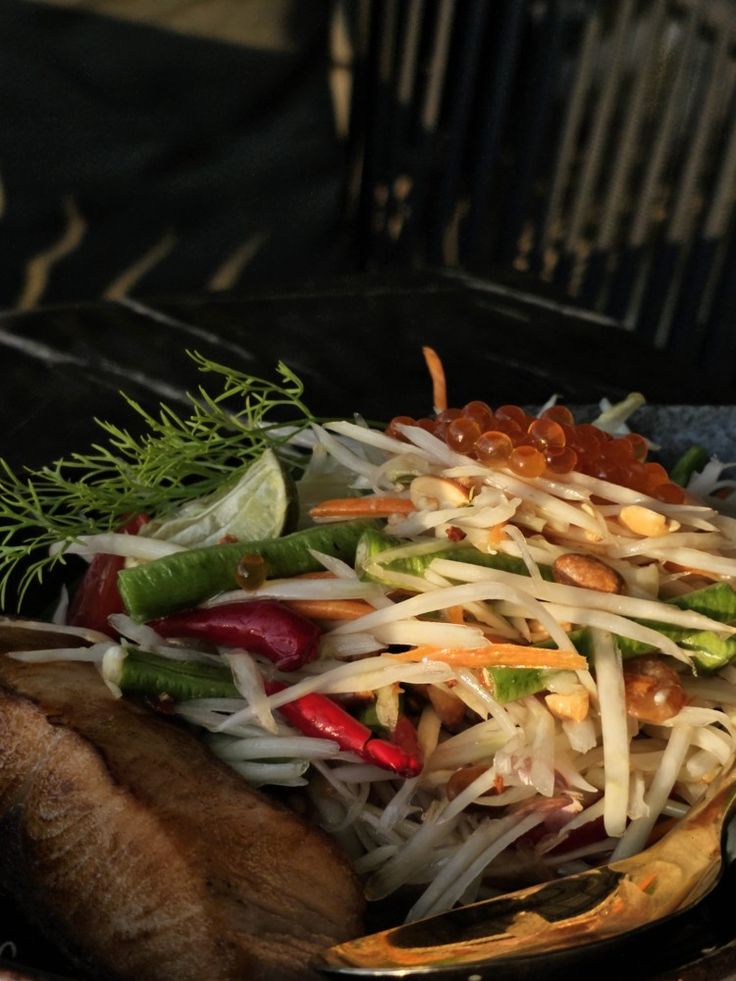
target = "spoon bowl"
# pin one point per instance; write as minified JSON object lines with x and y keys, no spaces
{"x":576,"y":911}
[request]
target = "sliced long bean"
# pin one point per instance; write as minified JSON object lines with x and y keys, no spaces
{"x":692,"y":460}
{"x":141,"y":672}
{"x":374,"y":542}
{"x":184,"y":579}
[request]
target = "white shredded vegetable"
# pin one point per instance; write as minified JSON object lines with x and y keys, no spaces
{"x":575,"y":596}
{"x":117,"y":543}
{"x":94,"y":654}
{"x":635,"y":836}
{"x":249,"y":682}
{"x":611,"y":699}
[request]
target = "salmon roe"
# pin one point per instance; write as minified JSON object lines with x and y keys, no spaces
{"x":550,"y":444}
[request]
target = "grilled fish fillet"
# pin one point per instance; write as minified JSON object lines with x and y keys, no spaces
{"x":145,"y":857}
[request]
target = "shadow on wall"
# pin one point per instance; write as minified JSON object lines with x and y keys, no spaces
{"x":137,"y":158}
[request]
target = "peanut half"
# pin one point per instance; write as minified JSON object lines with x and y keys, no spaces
{"x":572,"y":706}
{"x":646,"y":522}
{"x":588,"y":572}
{"x":427,"y":491}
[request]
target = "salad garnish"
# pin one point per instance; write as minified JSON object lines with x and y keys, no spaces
{"x":175,"y":459}
{"x":490,"y":646}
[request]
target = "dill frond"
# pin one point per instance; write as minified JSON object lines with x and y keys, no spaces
{"x":174,"y":459}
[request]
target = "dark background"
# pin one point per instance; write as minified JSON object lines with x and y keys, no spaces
{"x":140,"y":143}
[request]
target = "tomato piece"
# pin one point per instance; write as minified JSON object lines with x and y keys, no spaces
{"x":97,"y":595}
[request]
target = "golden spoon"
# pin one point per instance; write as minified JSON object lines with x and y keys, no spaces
{"x":670,"y":876}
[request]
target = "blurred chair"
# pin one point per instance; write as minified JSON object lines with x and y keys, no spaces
{"x":590,"y":145}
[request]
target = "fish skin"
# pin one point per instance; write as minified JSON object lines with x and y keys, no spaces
{"x":142,"y":855}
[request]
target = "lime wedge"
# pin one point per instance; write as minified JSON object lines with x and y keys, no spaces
{"x":257,"y":505}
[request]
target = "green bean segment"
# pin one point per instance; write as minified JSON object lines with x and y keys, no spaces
{"x":186,"y":578}
{"x":141,"y":672}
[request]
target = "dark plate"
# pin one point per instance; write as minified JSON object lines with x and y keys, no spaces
{"x":357,"y":346}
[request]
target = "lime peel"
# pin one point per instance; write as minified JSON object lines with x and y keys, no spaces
{"x":256,"y":505}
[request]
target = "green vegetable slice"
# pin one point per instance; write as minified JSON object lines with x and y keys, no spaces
{"x":710,"y":651}
{"x":717,"y":601}
{"x":510,"y":684}
{"x":186,"y":578}
{"x":692,"y":461}
{"x":374,"y":542}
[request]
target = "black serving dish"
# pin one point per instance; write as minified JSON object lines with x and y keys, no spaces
{"x":356,"y":344}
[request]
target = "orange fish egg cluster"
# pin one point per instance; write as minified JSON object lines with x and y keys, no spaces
{"x":550,"y":444}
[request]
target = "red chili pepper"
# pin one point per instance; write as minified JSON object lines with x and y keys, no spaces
{"x":392,"y":757}
{"x":404,"y":736}
{"x":260,"y":626}
{"x":318,"y":715}
{"x":97,"y":595}
{"x":402,"y":753}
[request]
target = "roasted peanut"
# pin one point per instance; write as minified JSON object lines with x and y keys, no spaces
{"x":427,"y":491}
{"x":572,"y":706}
{"x":588,"y":572}
{"x":646,"y":522}
{"x":654,"y":692}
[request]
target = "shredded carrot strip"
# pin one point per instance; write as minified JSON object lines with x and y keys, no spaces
{"x":356,"y":507}
{"x":455,"y":614}
{"x":330,"y":609}
{"x":648,"y":881}
{"x":495,"y":534}
{"x":497,"y":655}
{"x":437,"y":374}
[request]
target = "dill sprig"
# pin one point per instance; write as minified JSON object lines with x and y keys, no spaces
{"x":175,"y":459}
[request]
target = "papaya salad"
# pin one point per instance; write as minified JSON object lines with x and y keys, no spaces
{"x":485,"y":648}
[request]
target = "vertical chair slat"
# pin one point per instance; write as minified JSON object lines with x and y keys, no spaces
{"x":635,"y":267}
{"x":662,"y":287}
{"x":384,"y":114}
{"x":535,"y":113}
{"x":406,"y":82}
{"x":428,"y":95}
{"x":691,"y":319}
{"x":359,"y":97}
{"x":492,"y":115}
{"x":613,"y":196}
{"x":468,"y":51}
{"x":599,"y":137}
{"x":400,"y":177}
{"x":438,"y":66}
{"x":571,"y":126}
{"x":363,"y":132}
